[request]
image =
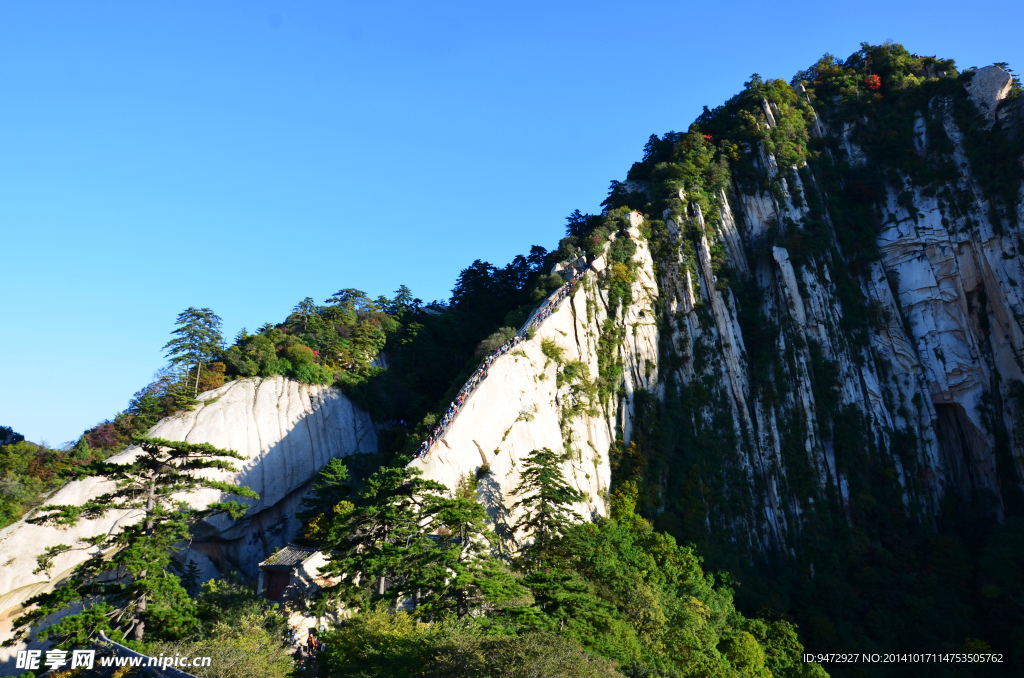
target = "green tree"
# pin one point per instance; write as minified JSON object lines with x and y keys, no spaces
{"x":144,"y":593}
{"x":463,"y":574}
{"x":360,"y":328}
{"x":746,"y":655}
{"x":545,"y":499}
{"x":578,"y":225}
{"x":469,"y":655}
{"x":403,"y":302}
{"x":189,"y":574}
{"x":403,"y":537}
{"x":376,"y":643}
{"x":20,"y":479}
{"x":253,"y":355}
{"x":347,"y":304}
{"x":331,"y":487}
{"x":382,"y":544}
{"x":241,"y":648}
{"x":196,"y":341}
{"x":305,"y":310}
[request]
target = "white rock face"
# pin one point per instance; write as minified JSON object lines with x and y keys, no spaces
{"x":988,"y":87}
{"x":519,"y":407}
{"x":286,"y":430}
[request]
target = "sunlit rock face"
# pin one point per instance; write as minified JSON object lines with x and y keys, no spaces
{"x":527,"y":402}
{"x":911,"y":363}
{"x":287,"y":432}
{"x":988,"y":87}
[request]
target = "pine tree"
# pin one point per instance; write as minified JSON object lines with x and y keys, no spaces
{"x":196,"y":341}
{"x":382,"y":544}
{"x":331,"y":488}
{"x":190,"y":577}
{"x":404,"y":538}
{"x":144,"y":592}
{"x":461,"y":574}
{"x":546,"y":500}
{"x":403,"y":301}
{"x":305,"y":310}
{"x":577,"y":224}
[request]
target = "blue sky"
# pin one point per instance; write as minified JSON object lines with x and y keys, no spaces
{"x":241,"y":156}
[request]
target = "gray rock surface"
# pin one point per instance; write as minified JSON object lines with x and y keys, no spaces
{"x":988,"y":87}
{"x":932,"y":380}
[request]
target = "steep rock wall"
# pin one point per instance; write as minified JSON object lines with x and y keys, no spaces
{"x":286,"y":430}
{"x":527,"y":402}
{"x":926,"y":382}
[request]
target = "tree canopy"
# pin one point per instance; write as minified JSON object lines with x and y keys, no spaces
{"x":195,"y":342}
{"x":607,"y":598}
{"x":144,"y":595}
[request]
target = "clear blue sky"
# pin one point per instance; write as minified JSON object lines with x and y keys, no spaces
{"x":244,"y":155}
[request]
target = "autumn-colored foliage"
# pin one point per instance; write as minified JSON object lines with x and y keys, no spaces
{"x":103,"y":436}
{"x":212,"y":376}
{"x":873,"y":82}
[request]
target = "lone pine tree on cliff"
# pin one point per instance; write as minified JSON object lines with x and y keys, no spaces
{"x":126,"y":588}
{"x":196,"y":341}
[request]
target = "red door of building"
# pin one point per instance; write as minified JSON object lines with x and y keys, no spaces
{"x":275,"y":582}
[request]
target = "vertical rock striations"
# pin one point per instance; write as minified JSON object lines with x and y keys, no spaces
{"x":793,"y":361}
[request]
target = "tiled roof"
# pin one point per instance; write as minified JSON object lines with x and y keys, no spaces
{"x":288,"y":558}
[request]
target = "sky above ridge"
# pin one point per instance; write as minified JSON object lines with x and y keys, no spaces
{"x":242,"y":156}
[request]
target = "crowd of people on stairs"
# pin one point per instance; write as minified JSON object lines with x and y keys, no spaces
{"x":538,"y":316}
{"x":306,"y":652}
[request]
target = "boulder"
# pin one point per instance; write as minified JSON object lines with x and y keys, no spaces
{"x":987,"y":88}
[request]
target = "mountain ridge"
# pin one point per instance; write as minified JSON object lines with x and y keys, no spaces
{"x":802,"y":350}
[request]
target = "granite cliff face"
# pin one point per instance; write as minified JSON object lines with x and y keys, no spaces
{"x":287,"y":430}
{"x":755,"y":364}
{"x":781,"y":383}
{"x":800,"y":371}
{"x":532,"y":400}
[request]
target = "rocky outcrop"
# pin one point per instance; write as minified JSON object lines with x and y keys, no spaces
{"x":987,"y":88}
{"x":286,"y":430}
{"x":532,"y":400}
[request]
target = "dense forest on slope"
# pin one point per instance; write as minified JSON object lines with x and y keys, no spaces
{"x":605,"y":598}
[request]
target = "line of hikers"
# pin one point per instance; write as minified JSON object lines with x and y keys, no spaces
{"x":306,"y":653}
{"x":480,"y":374}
